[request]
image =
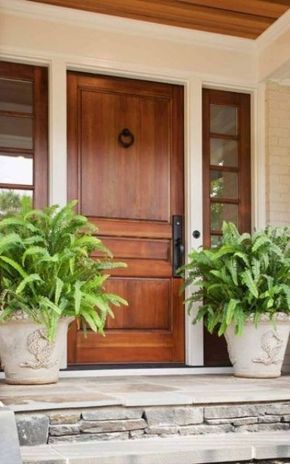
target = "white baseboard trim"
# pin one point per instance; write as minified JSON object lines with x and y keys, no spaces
{"x":133,"y":372}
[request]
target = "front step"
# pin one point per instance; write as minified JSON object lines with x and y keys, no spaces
{"x":213,"y":448}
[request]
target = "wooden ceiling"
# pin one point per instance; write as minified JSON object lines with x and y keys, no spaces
{"x":242,"y":18}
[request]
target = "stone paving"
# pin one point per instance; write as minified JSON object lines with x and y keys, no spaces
{"x":160,"y":419}
{"x":132,"y":408}
{"x":144,"y":391}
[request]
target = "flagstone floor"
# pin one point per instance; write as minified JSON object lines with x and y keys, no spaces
{"x":144,"y":391}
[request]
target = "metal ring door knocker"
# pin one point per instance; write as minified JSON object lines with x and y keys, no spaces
{"x":126,"y":138}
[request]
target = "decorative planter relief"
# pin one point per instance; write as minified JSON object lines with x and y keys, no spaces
{"x":259,"y":351}
{"x":42,"y":350}
{"x":26,"y":354}
{"x":271,"y":344}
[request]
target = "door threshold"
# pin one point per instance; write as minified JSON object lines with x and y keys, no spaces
{"x":142,"y":371}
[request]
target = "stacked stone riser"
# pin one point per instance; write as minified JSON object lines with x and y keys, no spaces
{"x":111,"y":423}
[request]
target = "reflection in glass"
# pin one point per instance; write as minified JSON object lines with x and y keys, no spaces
{"x":223,"y":119}
{"x":224,"y":152}
{"x":223,"y":184}
{"x":215,"y":240}
{"x":15,"y":132}
{"x":16,"y":95}
{"x":223,"y":212}
{"x":10,"y":200}
{"x":16,"y":170}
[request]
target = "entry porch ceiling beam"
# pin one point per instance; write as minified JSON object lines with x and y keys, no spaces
{"x":241,"y":18}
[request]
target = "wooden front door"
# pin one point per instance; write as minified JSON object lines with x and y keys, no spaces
{"x":125,"y":166}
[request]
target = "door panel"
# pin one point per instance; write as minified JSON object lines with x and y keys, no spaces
{"x":157,"y":302}
{"x":130,"y":194}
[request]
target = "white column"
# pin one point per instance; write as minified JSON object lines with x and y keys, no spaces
{"x":193,"y":203}
{"x":58,"y":144}
{"x":57,"y":133}
{"x":258,"y":127}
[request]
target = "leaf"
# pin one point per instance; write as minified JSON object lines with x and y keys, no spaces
{"x":58,"y":289}
{"x":242,"y":256}
{"x":256,"y":269}
{"x":94,"y":321}
{"x":77,"y":296}
{"x":111,"y":265}
{"x":8,"y":240}
{"x":286,"y":291}
{"x":49,"y":304}
{"x":231,"y":310}
{"x":14,"y":265}
{"x":27,"y":280}
{"x":249,"y":282}
{"x":14,"y":221}
{"x":260,"y":241}
{"x":101,"y":303}
{"x":34,"y":250}
{"x":116,"y":299}
{"x":232,"y":267}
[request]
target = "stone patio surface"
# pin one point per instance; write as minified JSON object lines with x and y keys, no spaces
{"x":143,"y":391}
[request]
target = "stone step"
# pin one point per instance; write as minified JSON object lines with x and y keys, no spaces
{"x":214,"y":448}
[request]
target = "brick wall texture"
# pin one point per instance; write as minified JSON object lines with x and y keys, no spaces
{"x":278,"y":161}
{"x":278,"y":154}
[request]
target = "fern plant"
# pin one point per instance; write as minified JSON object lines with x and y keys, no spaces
{"x":246,"y":276}
{"x":47,"y":272}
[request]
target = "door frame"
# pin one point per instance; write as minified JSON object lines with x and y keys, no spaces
{"x":193,"y":84}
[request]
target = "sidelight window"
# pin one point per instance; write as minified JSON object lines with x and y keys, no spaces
{"x":23,"y":136}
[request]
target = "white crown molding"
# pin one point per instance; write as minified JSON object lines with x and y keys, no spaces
{"x":273,"y":32}
{"x":124,"y":68}
{"x":124,"y":25}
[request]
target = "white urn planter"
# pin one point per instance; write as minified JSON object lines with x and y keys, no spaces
{"x":27,"y":357}
{"x":259,"y":352}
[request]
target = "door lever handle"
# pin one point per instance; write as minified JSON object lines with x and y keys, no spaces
{"x":177,"y":244}
{"x":180,"y":245}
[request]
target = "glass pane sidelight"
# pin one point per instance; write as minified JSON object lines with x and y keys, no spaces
{"x":23,"y":135}
{"x":223,"y":184}
{"x":223,"y":152}
{"x":223,"y":119}
{"x":16,"y":132}
{"x":215,"y":240}
{"x":10,"y":200}
{"x":16,"y":169}
{"x":226,"y":180}
{"x":220,"y":212}
{"x":16,"y":96}
{"x":226,"y":162}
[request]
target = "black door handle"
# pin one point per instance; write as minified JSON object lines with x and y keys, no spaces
{"x":177,"y":244}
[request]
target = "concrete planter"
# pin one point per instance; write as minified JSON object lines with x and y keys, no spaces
{"x":27,"y":357}
{"x":259,"y":352}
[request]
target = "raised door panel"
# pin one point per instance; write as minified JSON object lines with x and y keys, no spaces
{"x":134,"y":181}
{"x":150,"y":294}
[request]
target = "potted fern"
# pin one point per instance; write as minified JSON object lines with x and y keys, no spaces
{"x":243,"y":291}
{"x":48,"y":279}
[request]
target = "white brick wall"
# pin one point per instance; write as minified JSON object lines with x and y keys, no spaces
{"x":278,"y":162}
{"x":278,"y":154}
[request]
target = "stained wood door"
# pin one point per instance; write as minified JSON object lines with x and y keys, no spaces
{"x":130,"y":194}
